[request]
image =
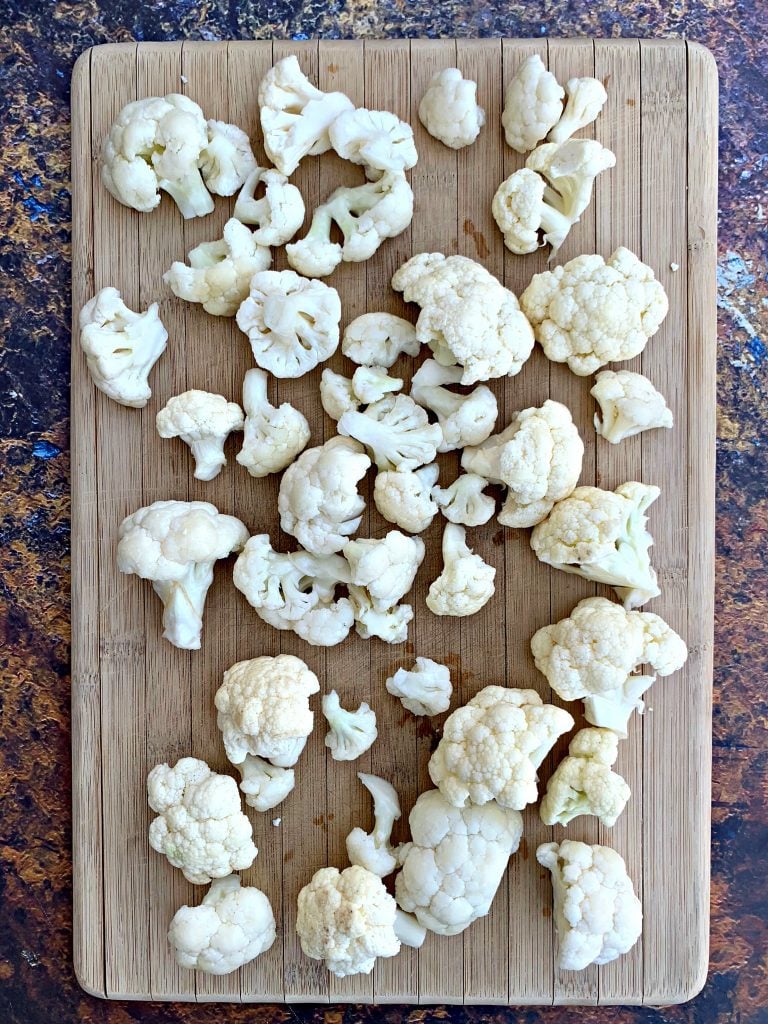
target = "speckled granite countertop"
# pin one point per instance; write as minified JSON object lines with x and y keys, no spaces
{"x":39,"y":42}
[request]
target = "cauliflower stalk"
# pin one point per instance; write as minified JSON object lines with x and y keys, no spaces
{"x":533,"y":104}
{"x":586,"y":98}
{"x":274,"y":436}
{"x":264,"y":785}
{"x":583,"y":782}
{"x":377,"y":139}
{"x":278,"y":214}
{"x":350,"y":733}
{"x":423,"y":690}
{"x":449,"y":109}
{"x":629,"y":404}
{"x":466,"y":583}
{"x":404,"y":497}
{"x":396,"y":431}
{"x":203,"y":421}
{"x":464,"y":502}
{"x":463,"y":419}
{"x":373,"y":850}
{"x":378,"y":339}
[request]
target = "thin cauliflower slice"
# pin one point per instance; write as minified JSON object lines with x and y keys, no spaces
{"x":373,"y":850}
{"x":378,"y":339}
{"x":464,"y":502}
{"x":463,"y":419}
{"x":350,"y":733}
{"x":375,"y":138}
{"x":449,"y":109}
{"x":227,"y":160}
{"x":586,"y":98}
{"x":388,"y":624}
{"x":386,"y":567}
{"x":598,"y":917}
{"x":466,"y":583}
{"x":371,"y":383}
{"x":204,"y":421}
{"x":273,"y":436}
{"x":396,"y":431}
{"x":423,"y":690}
{"x":583,"y":782}
{"x":492,"y":747}
{"x":629,"y":404}
{"x":533,"y":104}
{"x":278,"y":214}
{"x":264,"y":785}
{"x":337,"y":395}
{"x":404,"y":497}
{"x":200,"y":826}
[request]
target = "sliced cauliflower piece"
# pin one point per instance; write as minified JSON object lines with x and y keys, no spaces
{"x":464,"y":419}
{"x":533,"y":104}
{"x":385,"y":567}
{"x":463,"y":501}
{"x":337,"y":395}
{"x":586,"y":98}
{"x":449,"y":109}
{"x":291,"y":323}
{"x":423,"y":690}
{"x":121,"y":346}
{"x":378,"y":339}
{"x":200,"y":826}
{"x":203,"y":421}
{"x":601,"y":536}
{"x":583,"y":782}
{"x":227,"y":160}
{"x":396,"y":431}
{"x":375,"y":138}
{"x":492,"y":747}
{"x":629,"y":404}
{"x":273,"y":436}
{"x":404,"y":497}
{"x":373,"y":851}
{"x":350,"y":733}
{"x":264,"y":784}
{"x":389,"y":625}
{"x":278,"y":214}
{"x":371,"y":383}
{"x":466,"y":583}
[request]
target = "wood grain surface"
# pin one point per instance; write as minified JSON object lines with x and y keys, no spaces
{"x":137,"y":701}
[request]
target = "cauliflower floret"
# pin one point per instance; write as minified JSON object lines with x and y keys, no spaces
{"x":264,"y":784}
{"x":590,"y":312}
{"x":463,"y":501}
{"x":121,"y":346}
{"x":292,"y":323}
{"x":424,"y":690}
{"x":466,"y":583}
{"x":201,"y":827}
{"x":318,"y":500}
{"x":389,"y":625}
{"x":455,"y":862}
{"x":203,"y":421}
{"x":375,"y":138}
{"x":227,"y":160}
{"x":385,"y":567}
{"x":219,"y":273}
{"x":586,"y":97}
{"x":296,"y":116}
{"x":377,"y":339}
{"x":464,"y":419}
{"x":273,"y":436}
{"x":537,"y":458}
{"x":532,"y":105}
{"x":404,"y":497}
{"x":629,"y":404}
{"x":449,"y":109}
{"x":592,"y":654}
{"x":366,"y":216}
{"x":337,"y":395}
{"x":175,"y":544}
{"x":583,"y":782}
{"x":520,"y":213}
{"x":373,"y":851}
{"x":278,"y":214}
{"x":597,"y":915}
{"x":263,"y":709}
{"x":350,"y":733}
{"x":371,"y":383}
{"x":492,"y":747}
{"x":601,"y":536}
{"x":327,"y":624}
{"x":396,"y":431}
{"x":231,"y":927}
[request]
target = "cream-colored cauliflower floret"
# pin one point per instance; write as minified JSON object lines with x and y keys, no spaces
{"x":449,"y":109}
{"x":386,"y":567}
{"x":227,"y":160}
{"x":336,"y":394}
{"x":273,"y":436}
{"x":463,"y":419}
{"x":264,"y":785}
{"x":278,"y":214}
{"x":375,"y":138}
{"x":373,"y":850}
{"x":396,"y":431}
{"x":583,"y":782}
{"x":466,"y":583}
{"x":533,"y":104}
{"x":629,"y":404}
{"x":350,"y":733}
{"x":423,"y":690}
{"x":204,"y":421}
{"x":586,"y":98}
{"x":378,"y":339}
{"x":403,"y":497}
{"x":388,"y":624}
{"x":464,"y":502}
{"x":371,"y":383}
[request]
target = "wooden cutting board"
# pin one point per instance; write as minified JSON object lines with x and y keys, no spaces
{"x":137,"y":701}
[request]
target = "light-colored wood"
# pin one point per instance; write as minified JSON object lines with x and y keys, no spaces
{"x":137,"y":701}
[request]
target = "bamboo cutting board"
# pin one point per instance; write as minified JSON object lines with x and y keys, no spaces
{"x":137,"y":701}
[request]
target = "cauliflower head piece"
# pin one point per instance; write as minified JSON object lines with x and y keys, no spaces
{"x":386,"y":567}
{"x":378,"y":339}
{"x":466,"y":583}
{"x":586,"y":98}
{"x":404,"y":497}
{"x":264,"y":785}
{"x":423,"y":690}
{"x":273,"y":436}
{"x":350,"y":733}
{"x":371,"y":383}
{"x":278,"y":214}
{"x":449,"y":109}
{"x":204,"y":421}
{"x":388,"y":624}
{"x":629,"y":404}
{"x":396,"y":431}
{"x":377,"y":139}
{"x":337,"y":395}
{"x":583,"y":782}
{"x":227,"y":160}
{"x":533,"y":104}
{"x":464,"y":502}
{"x":373,"y":850}
{"x":463,"y":419}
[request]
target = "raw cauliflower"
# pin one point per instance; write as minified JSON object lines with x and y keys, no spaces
{"x":350,"y":733}
{"x":378,"y":339}
{"x":203,"y":421}
{"x":371,"y":383}
{"x":449,"y":109}
{"x":273,"y":436}
{"x":583,"y":782}
{"x":386,"y":567}
{"x":464,"y":502}
{"x":227,"y":160}
{"x":463,"y":419}
{"x":404,"y":497}
{"x":396,"y":431}
{"x":336,"y":394}
{"x":278,"y":214}
{"x":373,"y":850}
{"x":533,"y":104}
{"x":629,"y":404}
{"x":423,"y":690}
{"x":466,"y":583}
{"x":388,"y":624}
{"x":264,"y":785}
{"x":586,"y":98}
{"x":377,"y":139}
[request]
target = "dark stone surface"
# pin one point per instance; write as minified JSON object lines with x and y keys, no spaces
{"x":39,"y":42}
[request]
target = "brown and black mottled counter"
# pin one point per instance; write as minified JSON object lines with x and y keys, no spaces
{"x":39,"y":42}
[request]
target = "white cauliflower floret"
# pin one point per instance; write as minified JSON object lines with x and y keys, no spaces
{"x":586,"y":97}
{"x":590,"y":311}
{"x":201,"y":827}
{"x":278,"y":214}
{"x":219,"y":273}
{"x":350,"y":733}
{"x":532,"y":105}
{"x":592,"y":654}
{"x":492,"y":747}
{"x":327,"y":624}
{"x":265,"y":785}
{"x":121,"y":346}
{"x":232,"y":926}
{"x":463,"y":419}
{"x":336,"y":394}
{"x":424,"y":690}
{"x":404,"y":497}
{"x":227,"y":160}
{"x":385,"y":567}
{"x":263,"y":709}
{"x":371,"y":383}
{"x":396,"y":431}
{"x":629,"y":404}
{"x":601,"y":536}
{"x":377,"y":339}
{"x":375,"y":138}
{"x":463,"y":501}
{"x":175,"y":545}
{"x":583,"y":782}
{"x":597,"y":915}
{"x":203,"y":421}
{"x":449,"y":109}
{"x":318,"y":500}
{"x":274,"y":436}
{"x":520,"y":212}
{"x":291,"y":323}
{"x":366,"y":215}
{"x":538,"y":459}
{"x":466,"y":583}
{"x":296,"y":116}
{"x":388,"y":624}
{"x":455,"y":862}
{"x":373,"y":850}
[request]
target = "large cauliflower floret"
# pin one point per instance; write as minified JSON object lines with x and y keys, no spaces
{"x":263,"y":707}
{"x":373,"y":850}
{"x":201,"y":827}
{"x":629,"y":404}
{"x":466,"y":583}
{"x":232,"y":926}
{"x":121,"y":346}
{"x":586,"y":98}
{"x":318,"y":500}
{"x":396,"y":431}
{"x":532,"y":105}
{"x":423,"y":690}
{"x":601,"y":536}
{"x":464,"y":501}
{"x":592,"y":655}
{"x":350,"y":733}
{"x":590,"y":311}
{"x":597,"y":915}
{"x":492,"y":747}
{"x":404,"y":497}
{"x":583,"y":782}
{"x":386,"y":567}
{"x":375,"y":138}
{"x":264,"y":785}
{"x":291,"y":323}
{"x":455,"y":861}
{"x":278,"y":214}
{"x":449,"y":109}
{"x":175,"y":545}
{"x":295,"y":115}
{"x":388,"y":624}
{"x":219,"y":273}
{"x":227,"y":159}
{"x":537,"y":458}
{"x":463,"y":419}
{"x":377,"y":339}
{"x":204,"y":421}
{"x":274,"y":436}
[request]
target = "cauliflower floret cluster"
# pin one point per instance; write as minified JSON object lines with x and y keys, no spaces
{"x":583,"y":782}
{"x":227,"y":160}
{"x":203,"y":421}
{"x":381,"y":573}
{"x":396,"y":431}
{"x":449,"y":109}
{"x":404,"y":497}
{"x":273,"y":436}
{"x":378,"y":339}
{"x":466,"y":583}
{"x":629,"y":404}
{"x":586,"y":98}
{"x":350,"y":733}
{"x":423,"y":690}
{"x":377,"y":139}
{"x":464,"y":502}
{"x":463,"y":419}
{"x":264,"y":785}
{"x":278,"y":214}
{"x":533,"y":104}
